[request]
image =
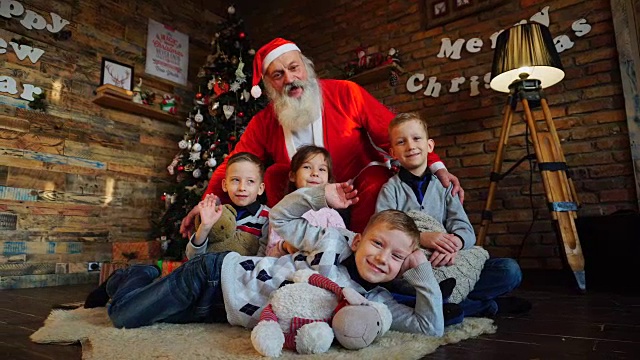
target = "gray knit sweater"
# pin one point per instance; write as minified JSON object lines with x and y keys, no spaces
{"x":437,"y":202}
{"x":248,"y":281}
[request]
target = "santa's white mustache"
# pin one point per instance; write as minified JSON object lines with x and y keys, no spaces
{"x":294,"y":85}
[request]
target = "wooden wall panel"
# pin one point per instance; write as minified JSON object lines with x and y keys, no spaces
{"x":81,"y":177}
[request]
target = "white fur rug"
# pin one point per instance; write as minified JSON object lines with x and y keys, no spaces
{"x":101,"y":341}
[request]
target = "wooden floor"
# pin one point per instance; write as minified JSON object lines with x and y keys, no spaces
{"x":562,"y":325}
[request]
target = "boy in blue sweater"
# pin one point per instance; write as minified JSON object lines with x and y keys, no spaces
{"x":228,"y":287}
{"x":416,"y":188}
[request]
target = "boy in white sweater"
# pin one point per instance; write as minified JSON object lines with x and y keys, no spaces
{"x":228,"y":287}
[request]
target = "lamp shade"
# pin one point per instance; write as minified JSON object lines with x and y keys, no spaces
{"x":525,"y":51}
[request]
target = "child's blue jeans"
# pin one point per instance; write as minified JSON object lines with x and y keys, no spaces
{"x":191,"y":293}
{"x":499,"y":276}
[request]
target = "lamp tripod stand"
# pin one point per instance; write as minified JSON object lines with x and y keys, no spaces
{"x":558,"y":187}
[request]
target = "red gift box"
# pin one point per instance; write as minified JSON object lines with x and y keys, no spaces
{"x":168,"y":266}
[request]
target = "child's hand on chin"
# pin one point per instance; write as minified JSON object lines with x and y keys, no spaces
{"x":415,"y":259}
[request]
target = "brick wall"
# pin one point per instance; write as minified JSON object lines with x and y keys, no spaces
{"x":82,"y":176}
{"x":587,"y":105}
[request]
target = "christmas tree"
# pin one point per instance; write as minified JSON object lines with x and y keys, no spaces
{"x":222,"y":108}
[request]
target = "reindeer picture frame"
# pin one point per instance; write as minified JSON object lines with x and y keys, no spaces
{"x":117,"y":74}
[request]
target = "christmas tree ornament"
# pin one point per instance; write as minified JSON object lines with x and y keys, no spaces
{"x":231,"y":10}
{"x":240,"y":114}
{"x":251,"y":52}
{"x":236,"y":44}
{"x":235,"y":86}
{"x":196,"y":147}
{"x":220,"y":87}
{"x":245,"y":95}
{"x":234,"y":60}
{"x":196,"y":173}
{"x":240,"y":71}
{"x":180,"y":168}
{"x":210,"y":133}
{"x":189,"y":144}
{"x":212,"y":162}
{"x":189,"y":167}
{"x":205,"y":155}
{"x":242,"y":35}
{"x":163,"y":197}
{"x":192,"y":130}
{"x":183,"y":144}
{"x":232,"y":138}
{"x":199,"y":96}
{"x":211,"y":83}
{"x":188,"y":123}
{"x":201,"y":72}
{"x":198,"y":118}
{"x":228,"y":110}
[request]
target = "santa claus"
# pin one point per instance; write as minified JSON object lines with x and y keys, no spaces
{"x":338,"y":115}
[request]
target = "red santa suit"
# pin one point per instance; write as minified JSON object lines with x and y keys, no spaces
{"x":352,"y":122}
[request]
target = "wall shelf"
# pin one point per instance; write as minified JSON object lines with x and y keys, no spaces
{"x":376,"y":74}
{"x":126,"y":105}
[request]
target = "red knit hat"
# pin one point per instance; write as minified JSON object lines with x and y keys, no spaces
{"x":265,"y":56}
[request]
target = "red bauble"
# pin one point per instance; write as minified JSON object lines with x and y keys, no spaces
{"x":240,"y":114}
{"x":180,"y":168}
{"x":242,"y":35}
{"x":163,"y":197}
{"x":232,"y":138}
{"x":199,"y":96}
{"x":218,"y":142}
{"x":210,"y":133}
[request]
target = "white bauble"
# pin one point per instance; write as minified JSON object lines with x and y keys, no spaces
{"x":196,"y":147}
{"x":183,"y":144}
{"x":212,"y":162}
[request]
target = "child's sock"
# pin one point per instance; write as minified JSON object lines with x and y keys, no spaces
{"x":452,"y":313}
{"x":512,"y":305}
{"x":446,"y":288}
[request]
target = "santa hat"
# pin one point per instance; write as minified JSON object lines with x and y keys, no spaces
{"x":264,"y":57}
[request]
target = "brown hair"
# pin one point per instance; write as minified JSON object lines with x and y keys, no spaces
{"x":396,"y":220}
{"x":301,"y":156}
{"x":406,"y":117}
{"x":248,"y":157}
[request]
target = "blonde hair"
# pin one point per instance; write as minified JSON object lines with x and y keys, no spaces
{"x":248,"y":157}
{"x":396,"y":220}
{"x":402,"y":118}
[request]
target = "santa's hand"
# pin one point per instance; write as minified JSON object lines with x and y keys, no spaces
{"x":340,"y":195}
{"x":186,"y":227}
{"x":446,"y":178}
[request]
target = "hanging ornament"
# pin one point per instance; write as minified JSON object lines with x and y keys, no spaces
{"x":240,"y":114}
{"x":240,"y":70}
{"x":235,"y":86}
{"x":173,"y":164}
{"x":228,"y":110}
{"x":188,"y":123}
{"x":251,"y":52}
{"x":201,"y":72}
{"x":194,"y":156}
{"x":163,"y":197}
{"x":205,"y":155}
{"x":220,"y":87}
{"x":231,"y":10}
{"x":196,"y":147}
{"x":180,"y":168}
{"x":183,"y":144}
{"x":232,"y":138}
{"x":236,"y":44}
{"x":245,"y":95}
{"x":192,"y":130}
{"x":211,"y":83}
{"x":198,"y":118}
{"x":212,"y":162}
{"x":189,"y":167}
{"x":242,"y":35}
{"x":199,"y":95}
{"x":234,"y":60}
{"x":210,"y":133}
{"x":189,"y":144}
{"x":393,"y":78}
{"x":197,"y":173}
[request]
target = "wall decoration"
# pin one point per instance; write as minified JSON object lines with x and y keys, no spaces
{"x":440,"y":12}
{"x":167,"y":53}
{"x":117,"y":74}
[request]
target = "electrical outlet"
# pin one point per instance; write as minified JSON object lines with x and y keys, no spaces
{"x":93,"y":266}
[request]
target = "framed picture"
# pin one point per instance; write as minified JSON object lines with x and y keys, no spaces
{"x":441,"y":12}
{"x":117,"y":74}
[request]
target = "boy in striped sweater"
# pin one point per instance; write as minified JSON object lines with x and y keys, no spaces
{"x":243,"y":182}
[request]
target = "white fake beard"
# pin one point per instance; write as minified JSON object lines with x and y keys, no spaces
{"x":295,"y":114}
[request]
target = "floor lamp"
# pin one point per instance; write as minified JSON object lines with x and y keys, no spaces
{"x":526,"y":61}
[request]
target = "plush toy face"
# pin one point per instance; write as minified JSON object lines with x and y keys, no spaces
{"x":356,"y":327}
